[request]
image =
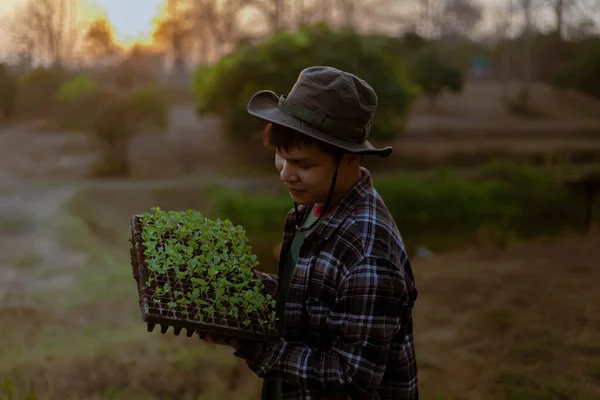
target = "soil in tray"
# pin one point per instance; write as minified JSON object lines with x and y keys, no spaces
{"x":158,"y":306}
{"x":163,"y":308}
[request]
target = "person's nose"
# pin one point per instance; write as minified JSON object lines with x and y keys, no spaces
{"x":288,"y":173}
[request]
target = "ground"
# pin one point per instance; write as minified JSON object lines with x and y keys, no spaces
{"x":519,"y":323}
{"x":522,"y":323}
{"x":512,"y":324}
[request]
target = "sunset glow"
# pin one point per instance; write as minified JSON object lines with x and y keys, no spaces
{"x":131,"y":19}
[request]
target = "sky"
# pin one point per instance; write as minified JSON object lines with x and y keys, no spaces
{"x":132,"y":19}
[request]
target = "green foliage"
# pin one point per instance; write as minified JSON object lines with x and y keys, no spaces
{"x":78,"y":102}
{"x":257,"y":213}
{"x":76,"y":88}
{"x":434,"y":76}
{"x":8,"y":93}
{"x":504,"y":202}
{"x":274,"y":64}
{"x":149,"y":105}
{"x":581,"y":74}
{"x":117,"y":117}
{"x":113,"y":116}
{"x":37,"y":91}
{"x":213,"y":261}
{"x":8,"y":391}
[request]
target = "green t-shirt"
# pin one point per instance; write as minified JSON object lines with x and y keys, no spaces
{"x":271,"y":389}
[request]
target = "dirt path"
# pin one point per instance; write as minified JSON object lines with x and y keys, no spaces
{"x":32,"y":257}
{"x":27,"y":151}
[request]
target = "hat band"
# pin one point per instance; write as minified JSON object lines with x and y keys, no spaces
{"x":320,"y":120}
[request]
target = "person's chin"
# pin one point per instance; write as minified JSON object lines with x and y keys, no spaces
{"x":299,"y":197}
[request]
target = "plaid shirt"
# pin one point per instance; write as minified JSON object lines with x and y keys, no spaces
{"x":348,"y":319}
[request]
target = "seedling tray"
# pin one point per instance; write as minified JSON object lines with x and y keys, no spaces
{"x":159,"y":314}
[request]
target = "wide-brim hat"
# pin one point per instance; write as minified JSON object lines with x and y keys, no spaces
{"x":327,"y":104}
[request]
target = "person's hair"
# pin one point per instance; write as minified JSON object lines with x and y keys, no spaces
{"x":277,"y":138}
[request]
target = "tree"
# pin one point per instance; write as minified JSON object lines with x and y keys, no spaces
{"x":224,"y":89}
{"x":99,"y":39}
{"x":503,"y":26}
{"x":141,"y":65}
{"x":47,"y":28}
{"x":114,"y":117}
{"x":273,"y":10}
{"x":8,"y":93}
{"x":174,"y":32}
{"x":524,"y":93}
{"x":460,"y":17}
{"x":434,"y":76}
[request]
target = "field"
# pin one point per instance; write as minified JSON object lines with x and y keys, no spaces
{"x":501,"y":317}
{"x":491,"y":323}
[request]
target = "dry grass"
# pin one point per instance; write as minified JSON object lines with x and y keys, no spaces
{"x":520,"y":323}
{"x":517,"y":324}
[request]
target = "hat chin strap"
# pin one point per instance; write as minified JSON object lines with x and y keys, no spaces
{"x":329,"y":197}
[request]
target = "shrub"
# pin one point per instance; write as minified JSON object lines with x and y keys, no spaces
{"x":114,"y":117}
{"x":259,"y":214}
{"x":434,"y":76}
{"x":274,"y":64}
{"x":581,"y":74}
{"x":78,"y":101}
{"x":121,"y":117}
{"x":37,"y":91}
{"x":445,"y":210}
{"x":76,"y":88}
{"x":8,"y":93}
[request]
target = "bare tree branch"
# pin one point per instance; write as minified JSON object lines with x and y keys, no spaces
{"x":46,"y":28}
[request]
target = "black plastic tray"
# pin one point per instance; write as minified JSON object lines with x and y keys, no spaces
{"x":173,"y":318}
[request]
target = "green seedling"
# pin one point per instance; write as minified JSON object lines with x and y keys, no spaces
{"x":209,"y":264}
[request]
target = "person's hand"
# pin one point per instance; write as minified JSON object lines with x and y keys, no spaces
{"x":221,"y":340}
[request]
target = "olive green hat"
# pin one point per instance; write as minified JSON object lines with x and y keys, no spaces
{"x":327,"y":104}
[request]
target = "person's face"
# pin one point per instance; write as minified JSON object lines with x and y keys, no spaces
{"x":307,"y":173}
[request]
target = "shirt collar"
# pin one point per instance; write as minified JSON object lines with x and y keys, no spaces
{"x":336,"y":215}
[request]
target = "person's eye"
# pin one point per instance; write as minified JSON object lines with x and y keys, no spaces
{"x":304,"y":166}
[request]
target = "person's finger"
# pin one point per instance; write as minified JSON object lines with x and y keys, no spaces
{"x":210,"y":339}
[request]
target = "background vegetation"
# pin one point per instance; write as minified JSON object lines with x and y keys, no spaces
{"x":490,"y":108}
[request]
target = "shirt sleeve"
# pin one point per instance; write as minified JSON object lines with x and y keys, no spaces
{"x":269,"y":280}
{"x":364,"y":318}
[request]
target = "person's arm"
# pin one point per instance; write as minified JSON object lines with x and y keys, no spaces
{"x":364,"y":318}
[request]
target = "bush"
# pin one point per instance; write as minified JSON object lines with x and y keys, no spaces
{"x":257,"y":213}
{"x":78,"y":100}
{"x":434,"y":76}
{"x":120,"y":116}
{"x":8,"y":93}
{"x":274,"y":64}
{"x":76,"y":88}
{"x":37,"y":91}
{"x":581,"y":74}
{"x":504,"y":201}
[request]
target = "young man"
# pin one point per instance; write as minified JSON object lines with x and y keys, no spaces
{"x":345,"y":288}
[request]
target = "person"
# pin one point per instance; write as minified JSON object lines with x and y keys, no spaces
{"x":345,"y":289}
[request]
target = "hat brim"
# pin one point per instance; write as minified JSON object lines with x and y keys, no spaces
{"x":264,"y":106}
